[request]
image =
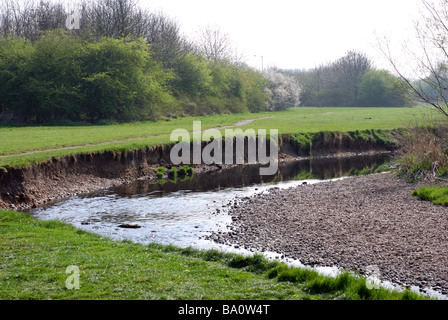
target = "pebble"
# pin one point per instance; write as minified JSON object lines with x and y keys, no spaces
{"x":403,"y":236}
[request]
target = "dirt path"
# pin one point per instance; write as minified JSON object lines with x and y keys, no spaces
{"x":237,"y":124}
{"x":353,"y":224}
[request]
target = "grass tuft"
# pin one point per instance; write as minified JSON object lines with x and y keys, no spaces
{"x":437,"y":195}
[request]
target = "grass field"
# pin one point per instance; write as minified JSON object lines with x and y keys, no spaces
{"x":35,"y":256}
{"x":18,"y":144}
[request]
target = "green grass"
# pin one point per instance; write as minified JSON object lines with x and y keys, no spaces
{"x":17,"y":140}
{"x":35,"y":255}
{"x":437,"y":195}
{"x":311,"y":120}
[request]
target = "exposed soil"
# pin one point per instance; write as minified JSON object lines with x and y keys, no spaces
{"x":352,"y":223}
{"x":23,"y":188}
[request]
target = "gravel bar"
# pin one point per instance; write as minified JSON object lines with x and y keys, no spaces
{"x":351,"y":223}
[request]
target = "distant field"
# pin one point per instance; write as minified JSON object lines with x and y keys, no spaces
{"x":18,"y":145}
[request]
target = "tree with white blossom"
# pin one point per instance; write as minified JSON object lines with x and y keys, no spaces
{"x":284,"y":90}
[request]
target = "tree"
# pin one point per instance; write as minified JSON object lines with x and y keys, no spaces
{"x":164,"y":36}
{"x":14,"y":54}
{"x":283,"y":89}
{"x":29,"y":18}
{"x":351,"y":68}
{"x":113,"y":18}
{"x":380,"y":88}
{"x":335,"y":83}
{"x":216,"y":45}
{"x":193,"y":75}
{"x":121,"y":81}
{"x":427,"y":81}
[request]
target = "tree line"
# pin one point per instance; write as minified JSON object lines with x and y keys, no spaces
{"x":351,"y":81}
{"x":125,"y":63}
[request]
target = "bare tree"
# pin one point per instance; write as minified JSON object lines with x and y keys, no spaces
{"x":28,"y":18}
{"x":163,"y":33}
{"x":115,"y":18}
{"x":351,"y":68}
{"x":216,"y":45}
{"x":427,"y":82}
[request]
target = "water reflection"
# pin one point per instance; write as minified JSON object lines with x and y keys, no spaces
{"x":241,"y":176}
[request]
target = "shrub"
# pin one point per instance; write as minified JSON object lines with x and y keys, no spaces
{"x":423,"y":153}
{"x":160,"y":172}
{"x":61,"y":77}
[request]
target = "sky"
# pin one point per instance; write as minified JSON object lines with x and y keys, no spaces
{"x":297,"y":34}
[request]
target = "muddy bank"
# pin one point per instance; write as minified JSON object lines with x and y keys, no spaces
{"x":22,"y":188}
{"x":352,"y":223}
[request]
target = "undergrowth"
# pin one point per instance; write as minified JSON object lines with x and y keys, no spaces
{"x":424,"y":152}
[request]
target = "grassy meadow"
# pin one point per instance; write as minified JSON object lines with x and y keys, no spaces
{"x":18,"y":144}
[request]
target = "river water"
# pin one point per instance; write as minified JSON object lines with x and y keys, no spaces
{"x":184,"y":212}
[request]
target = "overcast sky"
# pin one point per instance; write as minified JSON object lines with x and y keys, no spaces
{"x":296,"y":34}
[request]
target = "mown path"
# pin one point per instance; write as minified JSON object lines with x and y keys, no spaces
{"x":236,"y":124}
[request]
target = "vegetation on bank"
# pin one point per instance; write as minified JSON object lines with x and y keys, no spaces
{"x":424,"y":152}
{"x":354,"y":140}
{"x":35,"y":256}
{"x":423,"y":156}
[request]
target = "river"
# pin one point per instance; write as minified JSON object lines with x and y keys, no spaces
{"x":185,"y":212}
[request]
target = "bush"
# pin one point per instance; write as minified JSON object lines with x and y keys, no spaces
{"x":62,"y":77}
{"x":437,"y":195}
{"x":124,"y":64}
{"x":193,"y":76}
{"x":423,"y":153}
{"x":121,"y":81}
